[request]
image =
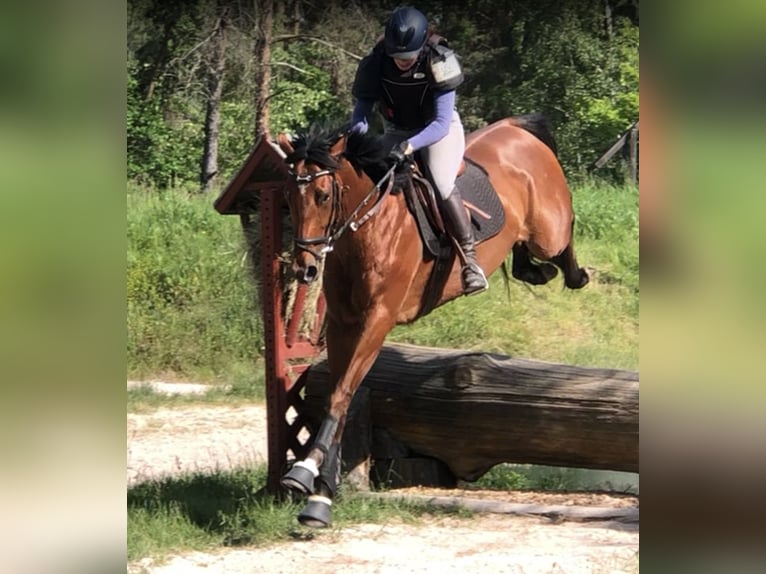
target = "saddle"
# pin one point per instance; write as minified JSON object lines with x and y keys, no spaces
{"x":479,"y":197}
{"x":487,"y":219}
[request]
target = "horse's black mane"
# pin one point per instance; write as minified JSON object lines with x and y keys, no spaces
{"x":363,"y":151}
{"x":313,"y":144}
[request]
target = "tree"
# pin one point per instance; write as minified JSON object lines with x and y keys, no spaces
{"x":207,"y":77}
{"x":216,"y":67}
{"x":262,"y":55}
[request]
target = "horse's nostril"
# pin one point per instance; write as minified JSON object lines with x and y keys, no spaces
{"x":310,"y":273}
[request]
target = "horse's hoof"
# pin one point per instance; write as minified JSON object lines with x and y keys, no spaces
{"x":300,"y":478}
{"x":585,"y":274}
{"x":317,"y":513}
{"x":549,"y":271}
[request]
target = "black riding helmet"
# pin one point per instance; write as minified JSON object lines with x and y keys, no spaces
{"x":406,"y":32}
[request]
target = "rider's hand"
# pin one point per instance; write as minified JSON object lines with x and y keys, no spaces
{"x":398,"y":153}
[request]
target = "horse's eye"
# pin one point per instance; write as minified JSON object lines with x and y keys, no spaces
{"x":322,"y":197}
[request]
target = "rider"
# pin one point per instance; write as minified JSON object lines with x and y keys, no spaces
{"x":412,"y":75}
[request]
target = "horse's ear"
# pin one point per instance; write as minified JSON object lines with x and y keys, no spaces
{"x":284,"y":142}
{"x":339,"y":146}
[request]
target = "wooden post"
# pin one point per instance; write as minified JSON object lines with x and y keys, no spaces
{"x":629,"y":136}
{"x":259,"y":185}
{"x":276,"y":378}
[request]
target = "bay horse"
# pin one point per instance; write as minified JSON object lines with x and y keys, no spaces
{"x":375,"y":274}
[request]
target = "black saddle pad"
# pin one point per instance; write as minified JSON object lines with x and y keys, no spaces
{"x":487,"y":219}
{"x":476,"y":189}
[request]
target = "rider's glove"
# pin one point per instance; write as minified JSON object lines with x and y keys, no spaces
{"x":396,"y":155}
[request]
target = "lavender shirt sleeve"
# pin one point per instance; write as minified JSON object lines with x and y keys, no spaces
{"x":362,"y":111}
{"x":444,"y":103}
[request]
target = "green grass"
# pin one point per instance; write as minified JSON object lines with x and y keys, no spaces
{"x":231,"y":508}
{"x":551,"y":478}
{"x":193,"y":306}
{"x":200,"y":512}
{"x":143,"y":398}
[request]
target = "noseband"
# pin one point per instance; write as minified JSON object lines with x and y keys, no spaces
{"x":335,"y":226}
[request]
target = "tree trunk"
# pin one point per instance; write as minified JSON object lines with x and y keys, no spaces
{"x":213,"y":111}
{"x":472,"y":411}
{"x":297,"y":17}
{"x":159,"y":62}
{"x":262,"y":55}
{"x":608,"y":19}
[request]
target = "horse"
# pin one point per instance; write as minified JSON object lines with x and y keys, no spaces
{"x":350,"y":219}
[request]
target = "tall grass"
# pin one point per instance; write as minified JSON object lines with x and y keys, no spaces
{"x":193,"y":311}
{"x":192,"y":303}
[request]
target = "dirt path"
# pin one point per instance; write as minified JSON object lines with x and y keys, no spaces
{"x":169,"y":441}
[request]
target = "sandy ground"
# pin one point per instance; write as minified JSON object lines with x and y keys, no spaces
{"x":171,"y":441}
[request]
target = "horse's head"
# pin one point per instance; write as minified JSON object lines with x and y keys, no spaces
{"x":314,"y":198}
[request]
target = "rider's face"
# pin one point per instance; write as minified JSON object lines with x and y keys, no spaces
{"x":405,"y":65}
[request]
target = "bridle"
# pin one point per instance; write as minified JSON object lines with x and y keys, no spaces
{"x":336,"y":225}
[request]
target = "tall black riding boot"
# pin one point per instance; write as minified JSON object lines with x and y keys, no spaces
{"x":458,"y":224}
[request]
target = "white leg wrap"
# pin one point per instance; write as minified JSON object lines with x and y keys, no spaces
{"x":319,"y":498}
{"x":310,"y":465}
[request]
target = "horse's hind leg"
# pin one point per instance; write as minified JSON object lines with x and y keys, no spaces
{"x":575,"y":277}
{"x":524,"y":269}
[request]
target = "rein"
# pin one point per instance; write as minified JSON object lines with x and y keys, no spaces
{"x":335,"y":228}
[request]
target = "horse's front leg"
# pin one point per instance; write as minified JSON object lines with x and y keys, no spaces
{"x":351,"y":352}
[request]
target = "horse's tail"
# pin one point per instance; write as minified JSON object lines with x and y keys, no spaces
{"x":537,"y":124}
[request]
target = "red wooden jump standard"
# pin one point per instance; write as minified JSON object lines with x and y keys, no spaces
{"x":258,"y":188}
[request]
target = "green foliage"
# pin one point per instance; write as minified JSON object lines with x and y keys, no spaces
{"x":554,"y":478}
{"x":581,"y":79}
{"x":192,"y":304}
{"x":551,"y":58}
{"x":566,"y":61}
{"x":302,"y":92}
{"x":164,"y":140}
{"x":530,"y":477}
{"x":236,"y":137}
{"x":502,"y":477}
{"x":607,"y":223}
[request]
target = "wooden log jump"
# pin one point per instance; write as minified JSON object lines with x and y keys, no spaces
{"x":473,"y":410}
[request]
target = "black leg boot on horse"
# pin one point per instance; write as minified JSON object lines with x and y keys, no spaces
{"x":300,"y":478}
{"x":458,"y":225}
{"x":318,"y":510}
{"x":317,"y":476}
